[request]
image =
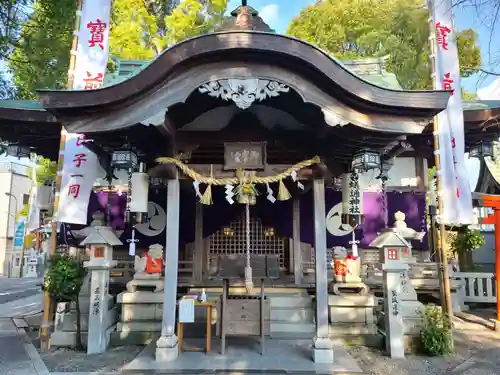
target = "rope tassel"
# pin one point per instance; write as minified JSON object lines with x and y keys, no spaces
{"x":283,"y":193}
{"x":206,"y":198}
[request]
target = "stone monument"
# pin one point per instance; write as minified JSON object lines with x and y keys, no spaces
{"x":350,"y":305}
{"x":142,"y":303}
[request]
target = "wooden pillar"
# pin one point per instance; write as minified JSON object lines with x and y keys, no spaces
{"x":323,"y":346}
{"x":297,"y":250}
{"x":166,"y":346}
{"x":497,"y":265}
{"x":198,"y":244}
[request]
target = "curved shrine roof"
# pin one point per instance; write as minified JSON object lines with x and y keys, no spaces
{"x":248,"y":46}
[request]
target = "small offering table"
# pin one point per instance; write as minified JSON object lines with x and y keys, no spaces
{"x":180,"y":329}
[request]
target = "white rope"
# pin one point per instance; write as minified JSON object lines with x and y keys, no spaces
{"x":248,"y":268}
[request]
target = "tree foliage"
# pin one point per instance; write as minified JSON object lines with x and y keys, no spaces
{"x":139,"y":30}
{"x":374,"y":28}
{"x":41,"y":57}
{"x":12,"y":14}
{"x":46,"y":171}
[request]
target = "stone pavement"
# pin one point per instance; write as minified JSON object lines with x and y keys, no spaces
{"x":17,"y":355}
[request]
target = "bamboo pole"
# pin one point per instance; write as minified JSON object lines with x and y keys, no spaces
{"x":443,"y":274}
{"x":47,"y":301}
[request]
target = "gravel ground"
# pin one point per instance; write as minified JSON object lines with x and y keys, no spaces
{"x":67,"y":360}
{"x":477,"y":352}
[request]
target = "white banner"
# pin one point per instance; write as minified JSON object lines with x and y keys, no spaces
{"x":80,"y":165}
{"x":455,"y":188}
{"x":93,"y":45}
{"x":78,"y":175}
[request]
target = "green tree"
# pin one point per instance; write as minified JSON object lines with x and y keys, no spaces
{"x":41,"y":57}
{"x":46,"y":171}
{"x":373,"y":28}
{"x":139,"y":30}
{"x":12,"y":14}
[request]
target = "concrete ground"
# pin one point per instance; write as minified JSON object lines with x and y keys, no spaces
{"x":477,"y":348}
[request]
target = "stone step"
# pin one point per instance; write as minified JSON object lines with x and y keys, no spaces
{"x":240,"y":290}
{"x":292,"y":315}
{"x":292,"y":327}
{"x":290,"y":302}
{"x":144,"y":326}
{"x":348,"y":329}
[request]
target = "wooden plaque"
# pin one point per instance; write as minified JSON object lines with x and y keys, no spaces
{"x":244,"y":155}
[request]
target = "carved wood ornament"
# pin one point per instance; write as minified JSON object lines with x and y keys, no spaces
{"x":243,"y":92}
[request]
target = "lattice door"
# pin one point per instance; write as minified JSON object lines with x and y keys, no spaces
{"x":231,"y":240}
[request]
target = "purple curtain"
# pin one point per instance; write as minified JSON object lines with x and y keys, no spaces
{"x":277,"y":215}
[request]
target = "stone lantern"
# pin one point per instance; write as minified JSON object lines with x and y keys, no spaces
{"x":99,"y":243}
{"x":394,"y":249}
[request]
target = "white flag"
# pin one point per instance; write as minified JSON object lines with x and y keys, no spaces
{"x":455,"y":190}
{"x":81,"y":165}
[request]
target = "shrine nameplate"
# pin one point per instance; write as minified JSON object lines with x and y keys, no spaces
{"x":244,"y":155}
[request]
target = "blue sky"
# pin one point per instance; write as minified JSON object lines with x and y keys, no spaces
{"x":279,"y":13}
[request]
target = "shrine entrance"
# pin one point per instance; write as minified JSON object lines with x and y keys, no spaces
{"x":231,"y":240}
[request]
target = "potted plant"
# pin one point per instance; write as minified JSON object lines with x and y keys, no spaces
{"x":63,"y":281}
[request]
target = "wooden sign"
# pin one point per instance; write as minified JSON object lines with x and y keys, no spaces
{"x":244,"y":155}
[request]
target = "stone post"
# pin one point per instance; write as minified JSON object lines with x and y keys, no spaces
{"x":393,"y":317}
{"x":323,"y":346}
{"x":166,"y":346}
{"x":100,"y":242}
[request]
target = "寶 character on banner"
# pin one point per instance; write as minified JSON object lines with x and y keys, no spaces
{"x":442,"y":33}
{"x":448,"y":83}
{"x":96,"y":29}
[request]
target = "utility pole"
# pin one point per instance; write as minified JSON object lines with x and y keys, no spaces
{"x":48,"y":304}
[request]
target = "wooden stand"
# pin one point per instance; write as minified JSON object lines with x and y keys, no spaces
{"x":244,"y":328}
{"x":180,"y":330}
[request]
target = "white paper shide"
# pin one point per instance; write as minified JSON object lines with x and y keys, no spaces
{"x":455,"y":189}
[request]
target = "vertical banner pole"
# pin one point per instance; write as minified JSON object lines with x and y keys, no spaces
{"x":47,"y":301}
{"x":443,"y":274}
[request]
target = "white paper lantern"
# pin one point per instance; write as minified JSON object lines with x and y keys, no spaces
{"x":44,"y":197}
{"x":139,"y":195}
{"x":352,"y":194}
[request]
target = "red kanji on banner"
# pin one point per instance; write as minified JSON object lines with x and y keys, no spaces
{"x":442,"y":32}
{"x":96,"y":29}
{"x":447,"y":83}
{"x":74,"y":190}
{"x":92,"y":83}
{"x":80,"y":140}
{"x":79,"y":159}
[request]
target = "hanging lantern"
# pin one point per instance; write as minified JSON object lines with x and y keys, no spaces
{"x":352,"y":199}
{"x":139,"y":194}
{"x":44,"y":197}
{"x":18,"y":151}
{"x":366,"y":160}
{"x":158,"y":182}
{"x":124,"y":158}
{"x":228,"y":232}
{"x":481,"y":150}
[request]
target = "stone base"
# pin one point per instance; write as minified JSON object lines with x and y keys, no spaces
{"x":323,"y":355}
{"x":62,"y":339}
{"x":166,"y":354}
{"x":146,"y":283}
{"x":496,"y":325}
{"x":356,"y":288}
